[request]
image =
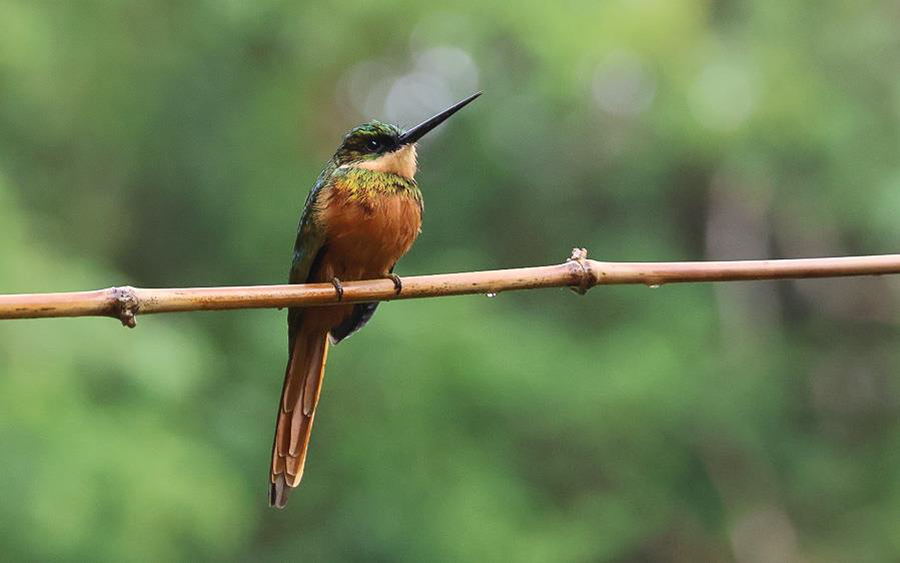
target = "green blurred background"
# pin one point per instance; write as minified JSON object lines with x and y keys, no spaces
{"x":173,"y":143}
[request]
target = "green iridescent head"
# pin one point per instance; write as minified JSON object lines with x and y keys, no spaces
{"x":375,"y":139}
{"x":368,"y":142}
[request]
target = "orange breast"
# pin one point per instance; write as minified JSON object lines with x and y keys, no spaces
{"x":367,"y":235}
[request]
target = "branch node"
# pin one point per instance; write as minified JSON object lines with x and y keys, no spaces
{"x":585,"y":278}
{"x":126,"y":305}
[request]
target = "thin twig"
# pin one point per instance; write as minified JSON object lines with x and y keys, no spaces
{"x":578,"y":273}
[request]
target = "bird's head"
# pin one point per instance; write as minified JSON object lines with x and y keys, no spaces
{"x":385,"y":147}
{"x":376,"y":145}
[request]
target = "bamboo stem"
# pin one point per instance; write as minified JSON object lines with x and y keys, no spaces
{"x":577,"y":272}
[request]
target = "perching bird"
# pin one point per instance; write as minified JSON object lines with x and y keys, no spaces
{"x":361,"y":216}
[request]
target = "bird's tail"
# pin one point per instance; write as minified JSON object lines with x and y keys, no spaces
{"x":299,"y":397}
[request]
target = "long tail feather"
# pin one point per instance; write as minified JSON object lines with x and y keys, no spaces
{"x":297,"y":408}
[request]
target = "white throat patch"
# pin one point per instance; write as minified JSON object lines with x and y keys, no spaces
{"x":401,"y":162}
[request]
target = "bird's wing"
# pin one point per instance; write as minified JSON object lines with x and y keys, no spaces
{"x":308,"y":248}
{"x":310,"y":236}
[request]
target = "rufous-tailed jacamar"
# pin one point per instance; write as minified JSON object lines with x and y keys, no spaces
{"x":361,"y":216}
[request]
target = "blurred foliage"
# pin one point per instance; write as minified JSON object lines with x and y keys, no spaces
{"x":172,"y":144}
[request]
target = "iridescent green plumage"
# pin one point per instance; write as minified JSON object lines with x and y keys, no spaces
{"x":366,"y":142}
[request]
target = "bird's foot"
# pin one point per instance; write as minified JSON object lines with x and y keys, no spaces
{"x":398,"y":285}
{"x":338,"y":288}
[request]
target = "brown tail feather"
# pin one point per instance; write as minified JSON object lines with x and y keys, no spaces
{"x":296,"y":410}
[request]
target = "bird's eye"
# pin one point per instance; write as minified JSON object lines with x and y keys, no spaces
{"x":373,"y":145}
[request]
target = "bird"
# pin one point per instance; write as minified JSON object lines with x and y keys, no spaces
{"x":362,"y":215}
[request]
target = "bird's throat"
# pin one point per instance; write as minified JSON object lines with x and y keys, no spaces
{"x":401,"y":162}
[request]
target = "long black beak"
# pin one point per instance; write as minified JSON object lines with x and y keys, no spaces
{"x":419,"y":130}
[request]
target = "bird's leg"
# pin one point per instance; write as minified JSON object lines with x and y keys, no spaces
{"x":398,"y":285}
{"x":338,"y":288}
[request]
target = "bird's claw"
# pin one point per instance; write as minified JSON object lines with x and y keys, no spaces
{"x":338,"y":288}
{"x":398,"y":284}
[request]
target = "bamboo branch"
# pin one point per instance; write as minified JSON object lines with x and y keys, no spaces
{"x":577,"y":273}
